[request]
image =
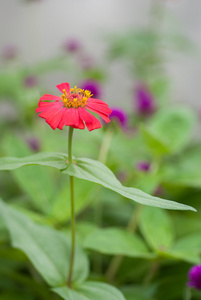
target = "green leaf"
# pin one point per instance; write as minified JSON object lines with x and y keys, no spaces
{"x":180,"y":221}
{"x":48,"y":249}
{"x":156,"y":146}
{"x":55,"y":160}
{"x":90,"y":291}
{"x":84,"y":194}
{"x":156,"y":227}
{"x":37,"y":181}
{"x":90,"y":170}
{"x":187,"y":248}
{"x":169,"y":130}
{"x":97,"y":172}
{"x":116,"y":241}
{"x":185,"y":170}
{"x":132,"y":292}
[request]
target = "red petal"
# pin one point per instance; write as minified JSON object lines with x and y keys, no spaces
{"x":93,"y":100}
{"x":55,"y":119}
{"x":90,"y":121}
{"x":64,"y":86}
{"x":80,"y":125}
{"x":50,"y":97}
{"x":43,"y":106}
{"x":63,"y":118}
{"x":69,"y":118}
{"x":72,"y":117}
{"x":99,"y":107}
{"x":102,"y":115}
{"x":49,"y":113}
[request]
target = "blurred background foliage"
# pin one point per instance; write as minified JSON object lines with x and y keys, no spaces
{"x":152,"y":143}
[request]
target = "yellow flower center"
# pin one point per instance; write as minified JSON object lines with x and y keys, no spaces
{"x":76,"y":97}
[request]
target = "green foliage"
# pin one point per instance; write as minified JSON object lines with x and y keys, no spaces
{"x":90,"y":170}
{"x":116,"y":241}
{"x":47,"y":249}
{"x":184,"y":170}
{"x":169,"y":130}
{"x":55,"y":160}
{"x":156,"y":226}
{"x":143,"y":250}
{"x":90,"y":291}
{"x":97,"y":172}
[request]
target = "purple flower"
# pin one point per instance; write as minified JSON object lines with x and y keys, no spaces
{"x":72,"y":45}
{"x":33,"y":143}
{"x":143,"y":166}
{"x":194,"y":277}
{"x":159,"y":191}
{"x":144,"y":100}
{"x":9,"y":52}
{"x":93,"y":86}
{"x":119,"y":115}
{"x":30,"y":81}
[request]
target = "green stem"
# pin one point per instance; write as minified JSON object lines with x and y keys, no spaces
{"x":70,"y":137}
{"x":187,"y":295}
{"x":117,"y":260}
{"x":72,"y":255}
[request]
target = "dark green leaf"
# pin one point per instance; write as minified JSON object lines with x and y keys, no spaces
{"x":132,"y":292}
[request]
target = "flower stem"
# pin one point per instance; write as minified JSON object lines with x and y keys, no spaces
{"x":70,"y":137}
{"x":72,"y":256}
{"x":187,"y":295}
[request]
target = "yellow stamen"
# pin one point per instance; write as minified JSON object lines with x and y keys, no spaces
{"x":75,"y":98}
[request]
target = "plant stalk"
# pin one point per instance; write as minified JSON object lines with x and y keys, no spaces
{"x":72,"y":255}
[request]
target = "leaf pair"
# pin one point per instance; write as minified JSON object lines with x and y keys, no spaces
{"x":93,"y":171}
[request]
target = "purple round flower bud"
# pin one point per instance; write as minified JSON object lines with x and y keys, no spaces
{"x":143,"y":166}
{"x":30,"y":81}
{"x":72,"y":45}
{"x":93,"y":86}
{"x":119,"y":115}
{"x":159,"y":191}
{"x":194,"y":277}
{"x":9,"y":52}
{"x":33,"y":143}
{"x":144,"y":100}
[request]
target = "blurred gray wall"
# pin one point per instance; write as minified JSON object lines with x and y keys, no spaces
{"x":40,"y":27}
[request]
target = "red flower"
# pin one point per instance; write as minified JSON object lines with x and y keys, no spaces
{"x":70,"y":109}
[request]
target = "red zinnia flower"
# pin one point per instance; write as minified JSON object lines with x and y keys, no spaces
{"x":70,"y":109}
